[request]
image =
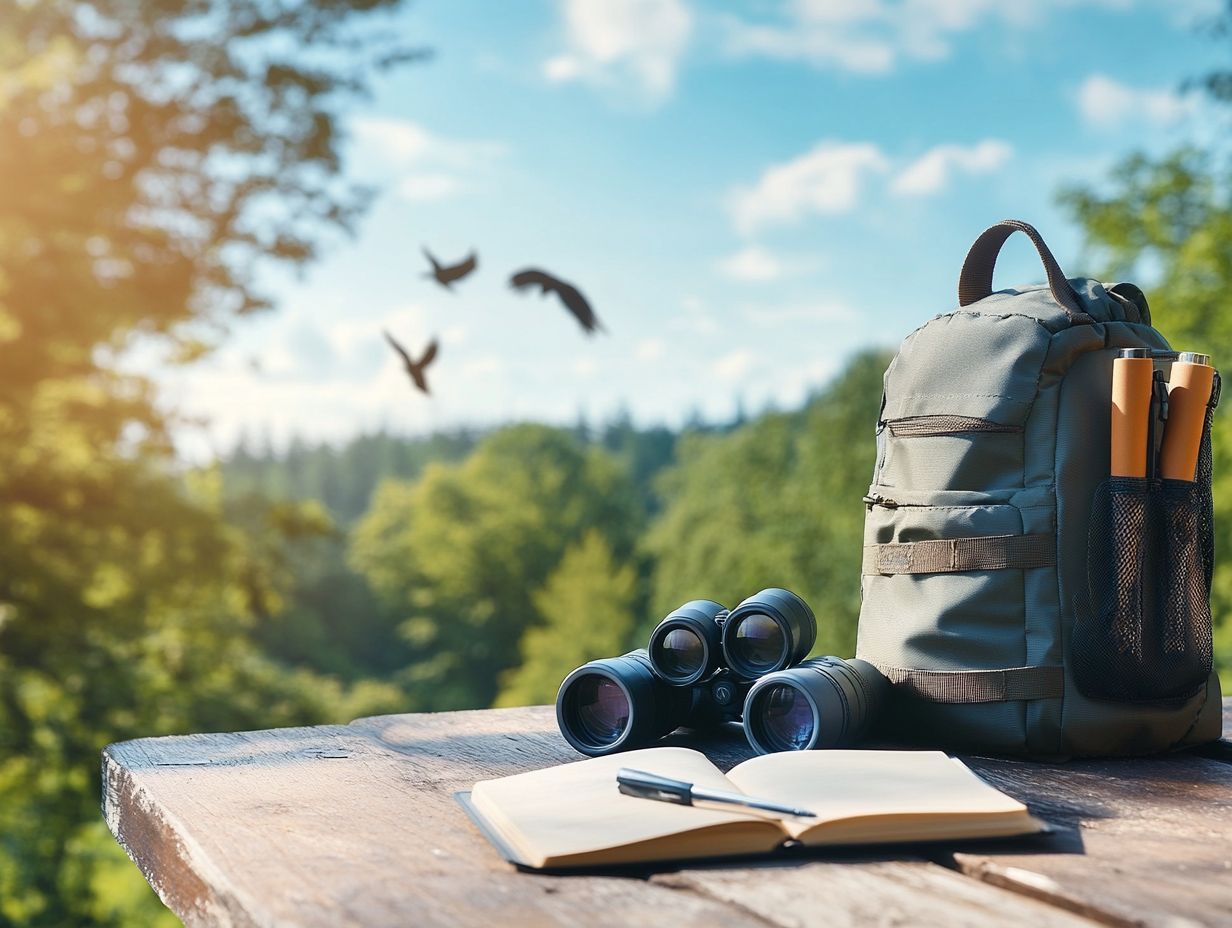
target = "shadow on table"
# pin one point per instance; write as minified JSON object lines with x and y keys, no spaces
{"x":1058,"y":841}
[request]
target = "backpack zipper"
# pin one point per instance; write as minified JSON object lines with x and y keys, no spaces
{"x":884,"y":501}
{"x":922,"y":426}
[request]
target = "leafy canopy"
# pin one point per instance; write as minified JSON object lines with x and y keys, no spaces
{"x":154,"y":156}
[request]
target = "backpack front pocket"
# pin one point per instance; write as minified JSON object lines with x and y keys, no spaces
{"x":943,"y":574}
{"x":949,"y":452}
{"x":947,"y":576}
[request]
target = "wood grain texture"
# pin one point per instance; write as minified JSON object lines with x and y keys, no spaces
{"x":329,"y":826}
{"x":855,"y":892}
{"x":1152,"y":838}
{"x":356,"y":825}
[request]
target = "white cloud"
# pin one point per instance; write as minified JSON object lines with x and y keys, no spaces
{"x":1105,"y":103}
{"x":562,"y":68}
{"x":402,"y":142}
{"x":826,"y":180}
{"x":422,"y":165}
{"x":757,"y":264}
{"x":831,"y":179}
{"x":734,"y":365}
{"x":485,"y":367}
{"x":424,"y":187}
{"x":649,"y":350}
{"x":585,"y":367}
{"x":696,"y":318}
{"x":753,"y":264}
{"x":621,"y":42}
{"x":848,"y":53}
{"x":456,"y":335}
{"x":874,"y":36}
{"x":766,"y":316}
{"x":398,"y":140}
{"x":931,"y":171}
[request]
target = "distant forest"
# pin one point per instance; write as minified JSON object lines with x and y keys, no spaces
{"x":470,"y":568}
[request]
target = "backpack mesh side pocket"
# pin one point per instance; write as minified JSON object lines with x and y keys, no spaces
{"x":1108,"y":647}
{"x":1146,"y":634}
{"x":1183,"y":592}
{"x":1187,"y":548}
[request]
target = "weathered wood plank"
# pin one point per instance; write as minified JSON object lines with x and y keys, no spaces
{"x":1153,"y":838}
{"x":1130,"y":813}
{"x":326,"y":826}
{"x":356,"y":825}
{"x":856,"y":892}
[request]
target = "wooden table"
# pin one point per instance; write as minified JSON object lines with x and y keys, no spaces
{"x":356,"y":825}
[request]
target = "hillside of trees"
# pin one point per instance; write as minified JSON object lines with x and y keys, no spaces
{"x":471,"y":570}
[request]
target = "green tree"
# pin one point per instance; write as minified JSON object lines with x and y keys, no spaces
{"x":775,"y":502}
{"x":155,"y":157}
{"x":462,"y":551}
{"x":587,"y":608}
{"x":1170,"y":219}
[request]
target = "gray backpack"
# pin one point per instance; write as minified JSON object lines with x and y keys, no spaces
{"x":1020,"y":599}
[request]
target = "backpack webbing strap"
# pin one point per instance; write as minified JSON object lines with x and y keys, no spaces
{"x":965,"y":686}
{"x":975,"y":279}
{"x":950,"y":555}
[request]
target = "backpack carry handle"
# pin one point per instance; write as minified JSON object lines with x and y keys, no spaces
{"x":975,"y":280}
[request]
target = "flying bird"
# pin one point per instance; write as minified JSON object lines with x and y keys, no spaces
{"x":568,"y":294}
{"x":445,"y":275}
{"x":415,"y":369}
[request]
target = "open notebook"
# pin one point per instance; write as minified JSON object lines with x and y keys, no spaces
{"x":574,"y":815}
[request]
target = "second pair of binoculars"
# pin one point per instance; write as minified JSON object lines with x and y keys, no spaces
{"x":706,"y":665}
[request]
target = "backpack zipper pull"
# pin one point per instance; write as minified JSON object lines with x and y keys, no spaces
{"x":884,"y":501}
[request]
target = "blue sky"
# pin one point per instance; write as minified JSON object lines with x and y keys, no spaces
{"x":747,"y":193}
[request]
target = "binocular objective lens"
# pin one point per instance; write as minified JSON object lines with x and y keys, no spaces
{"x":822,"y":703}
{"x":619,"y":703}
{"x":680,"y":653}
{"x":759,"y":642}
{"x":786,"y":718}
{"x":601,"y":708}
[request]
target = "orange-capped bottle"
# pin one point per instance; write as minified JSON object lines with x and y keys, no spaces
{"x":1132,"y":377}
{"x":1189,"y":391}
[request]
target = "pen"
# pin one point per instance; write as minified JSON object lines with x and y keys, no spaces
{"x":645,"y":785}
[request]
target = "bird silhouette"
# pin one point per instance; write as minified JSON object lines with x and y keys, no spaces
{"x":445,"y":275}
{"x":569,"y":295}
{"x":415,"y":369}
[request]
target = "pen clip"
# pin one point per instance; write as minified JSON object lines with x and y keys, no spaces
{"x":645,"y":785}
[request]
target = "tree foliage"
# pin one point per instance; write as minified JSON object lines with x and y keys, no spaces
{"x":775,"y":503}
{"x":462,"y":552}
{"x":1167,"y":223}
{"x":154,"y":155}
{"x":587,"y":608}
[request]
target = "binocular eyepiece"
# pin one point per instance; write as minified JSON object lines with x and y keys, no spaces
{"x":705,"y":666}
{"x":766,"y":632}
{"x":687,"y":645}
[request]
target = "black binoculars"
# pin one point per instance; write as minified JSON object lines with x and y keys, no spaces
{"x":706,"y":665}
